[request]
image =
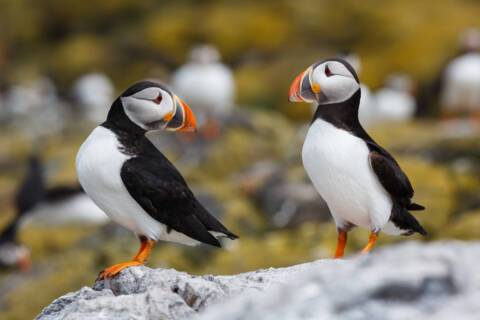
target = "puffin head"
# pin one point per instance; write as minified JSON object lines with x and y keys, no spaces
{"x":325,"y":82}
{"x":152,"y":106}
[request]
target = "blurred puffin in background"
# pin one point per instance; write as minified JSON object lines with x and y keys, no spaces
{"x":30,"y":192}
{"x":134,"y":183}
{"x":34,"y":108}
{"x":93,"y":107}
{"x":459,"y":91}
{"x":395,"y":102}
{"x":361,"y":182}
{"x":37,"y":204}
{"x":208,"y":86}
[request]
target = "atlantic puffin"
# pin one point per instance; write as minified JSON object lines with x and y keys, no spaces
{"x":134,"y":183}
{"x":35,"y":109}
{"x":460,"y":83}
{"x":35,"y":203}
{"x":395,"y":100}
{"x":30,"y":191}
{"x":361,"y":182}
{"x":208,"y":86}
{"x":94,"y":107}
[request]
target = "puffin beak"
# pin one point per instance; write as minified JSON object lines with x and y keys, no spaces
{"x":190,"y":122}
{"x":182,"y":118}
{"x":301,"y":88}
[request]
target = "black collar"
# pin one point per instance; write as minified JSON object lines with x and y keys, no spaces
{"x":343,"y":115}
{"x":131,"y":137}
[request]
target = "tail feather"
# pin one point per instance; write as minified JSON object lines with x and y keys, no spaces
{"x":212,"y":224}
{"x":404,"y":220}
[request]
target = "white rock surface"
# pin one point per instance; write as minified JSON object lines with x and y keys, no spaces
{"x":408,"y":281}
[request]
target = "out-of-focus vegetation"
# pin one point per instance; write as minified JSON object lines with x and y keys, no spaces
{"x":267,"y":43}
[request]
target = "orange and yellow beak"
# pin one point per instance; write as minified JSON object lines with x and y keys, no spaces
{"x":302,"y":89}
{"x":182,"y":118}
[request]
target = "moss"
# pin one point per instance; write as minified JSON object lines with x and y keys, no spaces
{"x":465,"y":227}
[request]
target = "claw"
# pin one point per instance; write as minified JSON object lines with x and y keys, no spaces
{"x":138,"y":260}
{"x":114,"y":270}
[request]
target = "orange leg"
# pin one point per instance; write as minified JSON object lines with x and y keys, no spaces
{"x":371,"y":242}
{"x":341,"y":243}
{"x":139,"y":259}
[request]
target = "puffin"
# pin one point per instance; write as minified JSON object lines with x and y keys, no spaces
{"x":453,"y":92}
{"x":135,"y":184}
{"x":94,"y":107}
{"x":29,"y":193}
{"x":395,"y":101}
{"x":460,"y":94}
{"x":35,"y":108}
{"x":35,"y":203}
{"x":361,"y":182}
{"x":208,"y":86}
{"x":57,"y":205}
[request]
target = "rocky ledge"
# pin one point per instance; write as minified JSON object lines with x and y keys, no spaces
{"x":407,"y":281}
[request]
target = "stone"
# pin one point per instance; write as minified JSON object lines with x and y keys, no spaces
{"x":408,"y":281}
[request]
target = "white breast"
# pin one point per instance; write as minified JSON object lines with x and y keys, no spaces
{"x":99,"y":163}
{"x":337,"y":162}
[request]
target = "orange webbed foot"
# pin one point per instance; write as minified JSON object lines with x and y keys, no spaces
{"x":114,"y":270}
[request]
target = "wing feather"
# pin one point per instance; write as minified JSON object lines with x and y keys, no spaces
{"x":163,"y":193}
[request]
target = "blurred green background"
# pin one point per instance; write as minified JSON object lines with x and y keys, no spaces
{"x":267,"y":43}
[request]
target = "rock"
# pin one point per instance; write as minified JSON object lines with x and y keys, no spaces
{"x":408,"y":281}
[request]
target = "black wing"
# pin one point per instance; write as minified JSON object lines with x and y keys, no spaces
{"x":163,"y":193}
{"x":391,"y":176}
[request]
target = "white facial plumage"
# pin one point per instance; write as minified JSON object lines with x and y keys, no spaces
{"x":148,"y":106}
{"x":334,"y":80}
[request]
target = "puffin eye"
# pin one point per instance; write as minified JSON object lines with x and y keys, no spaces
{"x":158,"y":99}
{"x":328,"y":72}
